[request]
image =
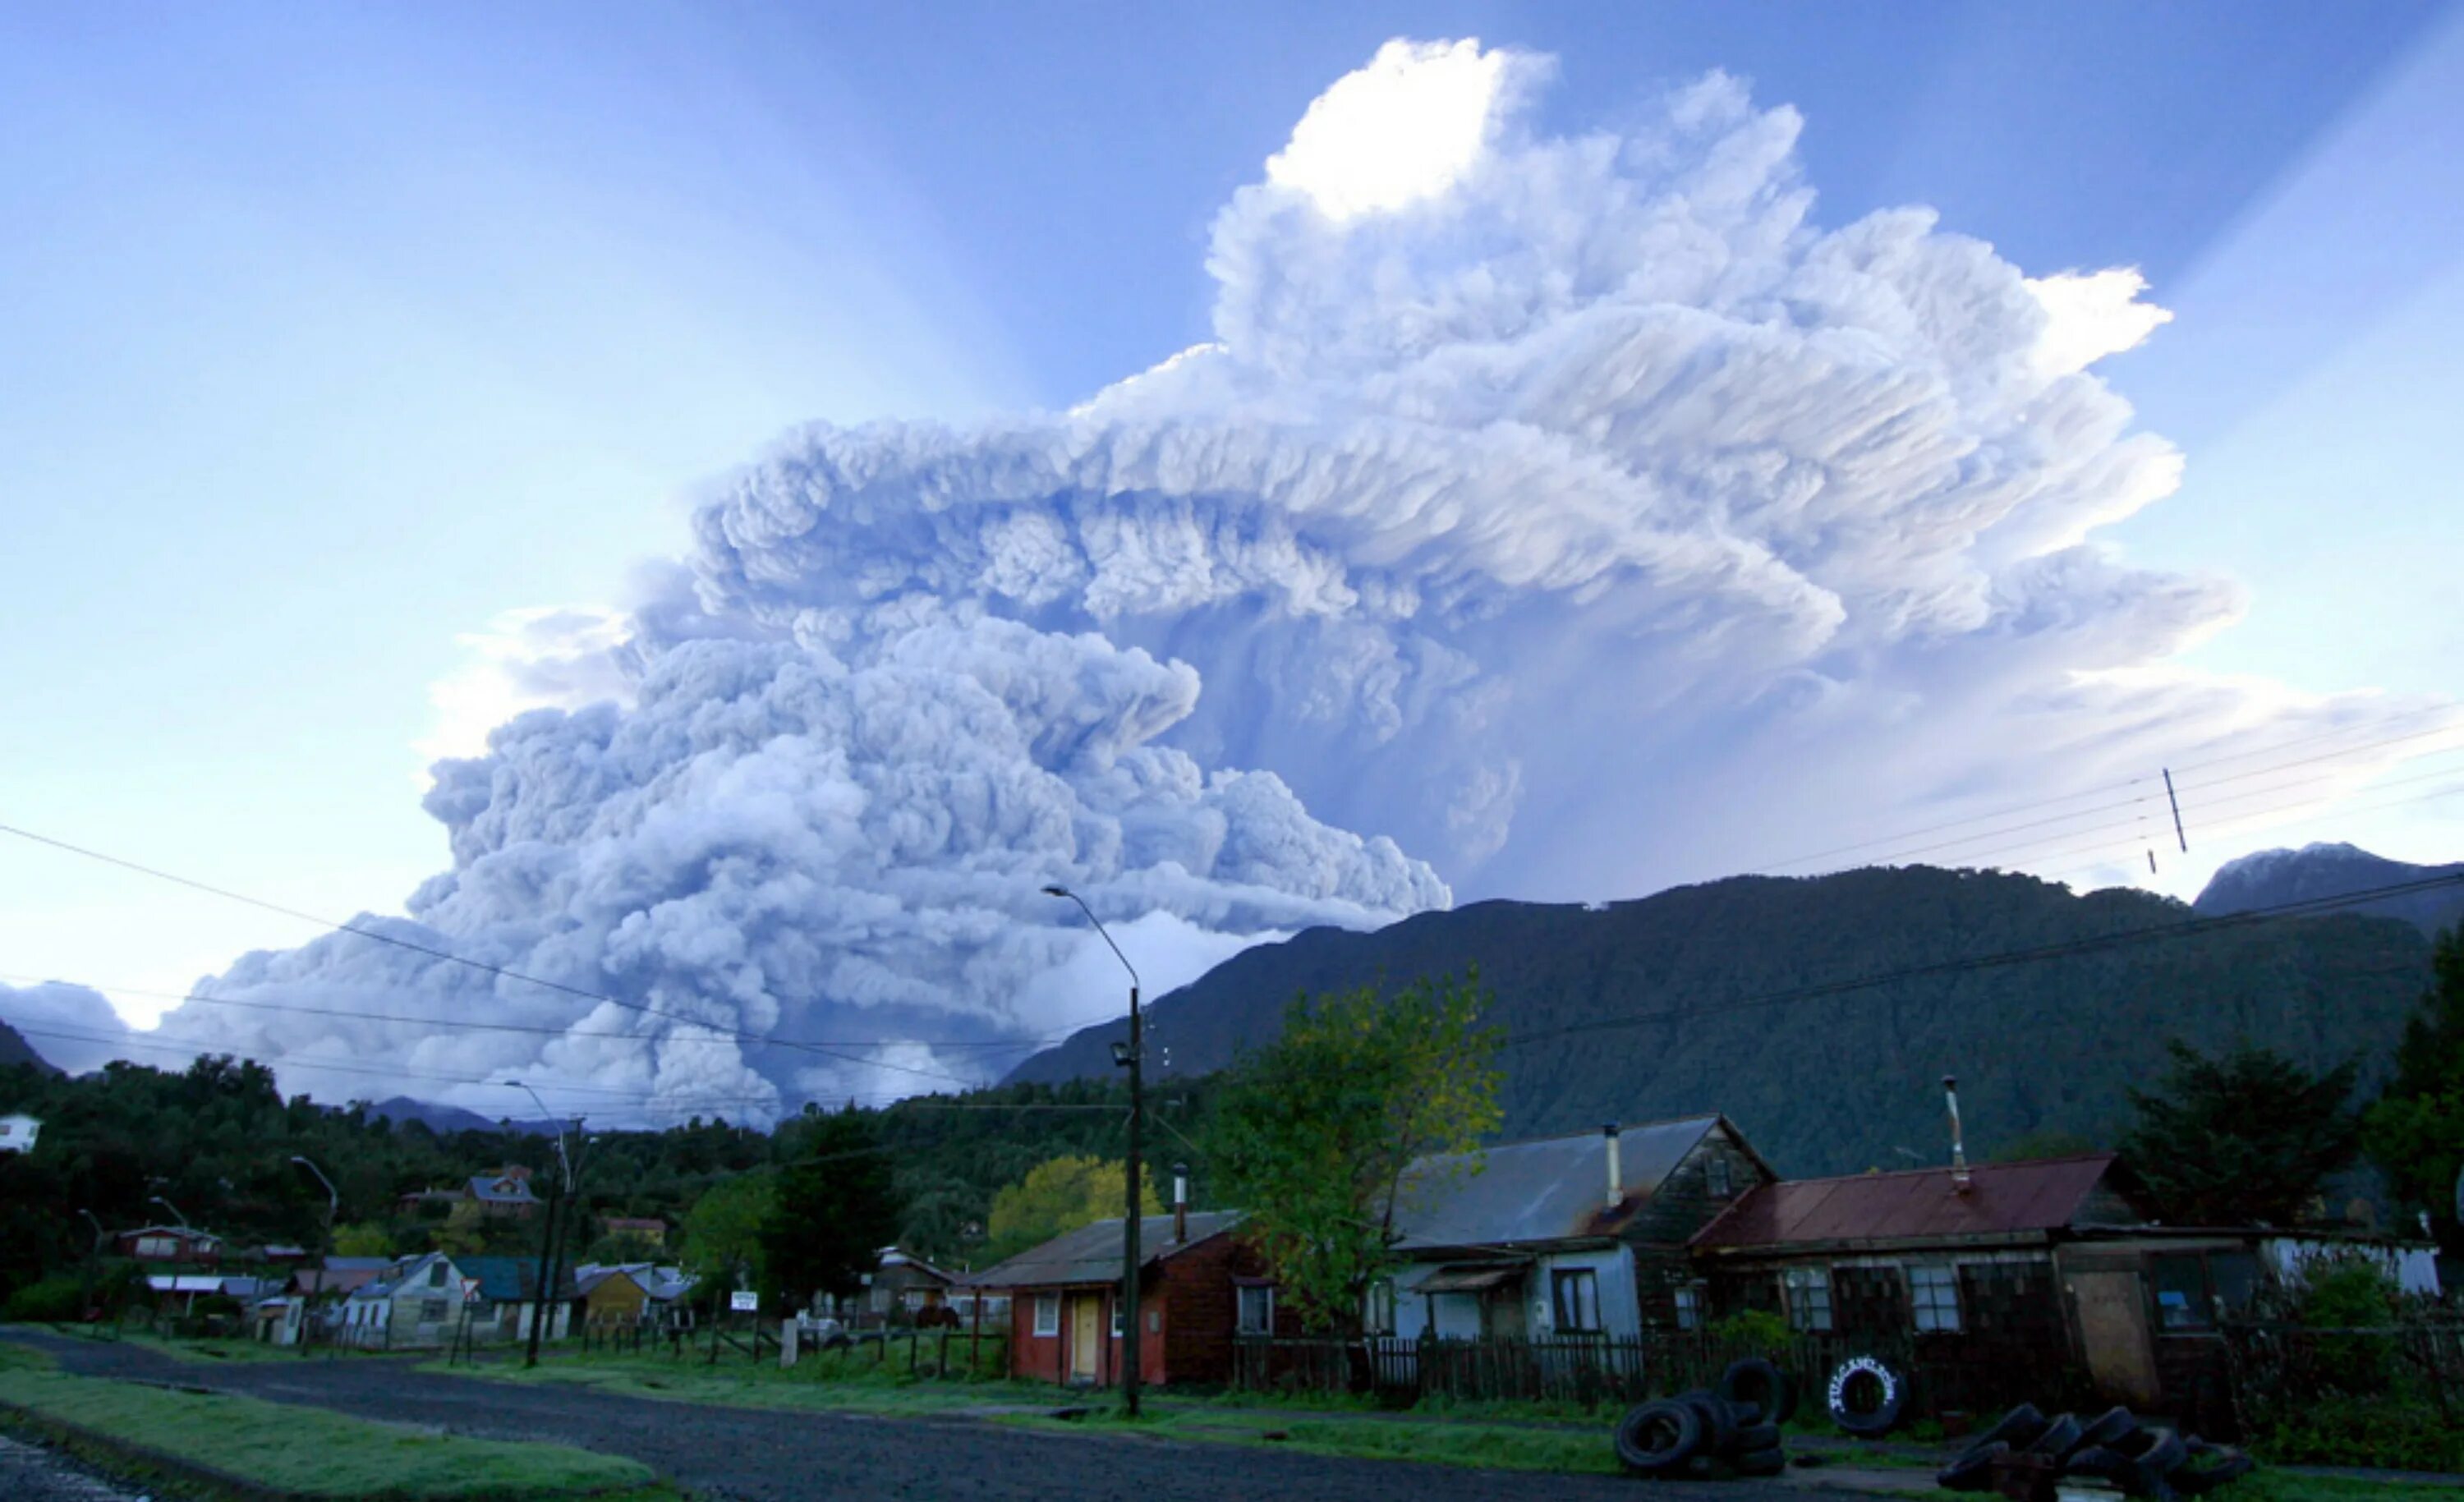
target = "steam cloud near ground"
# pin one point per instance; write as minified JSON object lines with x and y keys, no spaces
{"x":1558,"y":516}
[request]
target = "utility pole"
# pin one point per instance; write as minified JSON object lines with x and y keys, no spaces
{"x":547,"y":1290}
{"x":1132,"y":1318}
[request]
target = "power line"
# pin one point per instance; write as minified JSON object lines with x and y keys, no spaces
{"x":2065,"y":949}
{"x":449,"y":957}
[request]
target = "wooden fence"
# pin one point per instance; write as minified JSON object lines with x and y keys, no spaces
{"x":2281,"y":1370}
{"x":1945,"y":1373}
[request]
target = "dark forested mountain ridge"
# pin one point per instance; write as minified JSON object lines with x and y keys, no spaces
{"x":15,"y":1050}
{"x":1713,"y":997}
{"x":2272,"y":878}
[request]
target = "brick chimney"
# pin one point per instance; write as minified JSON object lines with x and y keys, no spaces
{"x":1179,"y":1202}
{"x":1616,"y":1176}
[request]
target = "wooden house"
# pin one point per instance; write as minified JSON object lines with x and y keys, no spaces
{"x":1200,"y":1290}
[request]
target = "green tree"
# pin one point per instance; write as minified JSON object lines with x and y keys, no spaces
{"x":722,"y":1232}
{"x":368,"y":1239}
{"x":835,"y":1209}
{"x":2414,"y":1131}
{"x":1061,"y":1195}
{"x":2246,"y":1137}
{"x":2043,"y":1142}
{"x":1315,"y":1129}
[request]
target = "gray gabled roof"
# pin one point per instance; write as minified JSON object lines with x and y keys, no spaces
{"x":1093,"y":1253}
{"x":1554,"y":1188}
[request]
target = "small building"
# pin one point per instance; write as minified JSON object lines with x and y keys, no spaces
{"x":648,"y":1229}
{"x":337,"y":1277}
{"x":1577,"y":1236}
{"x":505,"y":1193}
{"x":1200,"y":1289}
{"x":17,"y":1133}
{"x":181,"y":1245}
{"x":505,"y":1293}
{"x":905,"y":1284}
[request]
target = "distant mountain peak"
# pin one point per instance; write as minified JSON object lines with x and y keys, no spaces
{"x":15,"y":1050}
{"x":2329,"y":869}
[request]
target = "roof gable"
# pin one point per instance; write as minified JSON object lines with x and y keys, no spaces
{"x":2037,"y":1197}
{"x":1554,"y":1188}
{"x":1092,"y":1253}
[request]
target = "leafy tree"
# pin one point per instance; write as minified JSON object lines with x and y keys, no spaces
{"x":629,"y":1246}
{"x":368,"y":1239}
{"x":2247,"y":1138}
{"x":465,"y":1231}
{"x":835,"y":1209}
{"x":1316,"y":1128}
{"x":722,"y":1233}
{"x":1058,"y":1195}
{"x":2415,"y":1129}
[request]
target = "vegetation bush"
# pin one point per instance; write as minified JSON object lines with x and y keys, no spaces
{"x":58,"y":1300}
{"x":2383,"y":1429}
{"x":1751,"y":1329}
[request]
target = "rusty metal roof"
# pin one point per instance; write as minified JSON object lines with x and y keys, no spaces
{"x":2003,"y":1199}
{"x":1093,"y":1253}
{"x":1551,"y":1189}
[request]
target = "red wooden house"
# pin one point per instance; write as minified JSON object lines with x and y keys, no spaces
{"x":1199,"y":1287}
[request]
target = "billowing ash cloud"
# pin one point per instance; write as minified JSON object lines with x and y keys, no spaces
{"x":1574,"y":514}
{"x":73,"y":1027}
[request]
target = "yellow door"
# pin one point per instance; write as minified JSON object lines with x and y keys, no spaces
{"x":1085,"y":1336}
{"x":2113,"y":1328}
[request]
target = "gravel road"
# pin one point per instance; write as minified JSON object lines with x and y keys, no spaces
{"x":31,"y":1473}
{"x":755,"y":1456}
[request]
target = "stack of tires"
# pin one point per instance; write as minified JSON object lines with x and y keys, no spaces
{"x":1706,"y":1434}
{"x":2114,"y":1447}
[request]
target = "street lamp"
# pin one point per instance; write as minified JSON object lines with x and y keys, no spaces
{"x":333,"y":1198}
{"x":1127,"y":1056}
{"x":156,"y":1199}
{"x":548,"y":1251}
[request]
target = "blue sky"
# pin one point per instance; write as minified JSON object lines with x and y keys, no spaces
{"x":330,"y":334}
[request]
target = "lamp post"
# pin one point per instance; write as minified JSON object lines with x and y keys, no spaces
{"x":94,"y":1264}
{"x":548,"y":1251}
{"x":156,"y":1199}
{"x":1130,"y":1057}
{"x":333,"y":1198}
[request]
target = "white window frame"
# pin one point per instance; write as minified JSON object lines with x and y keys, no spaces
{"x":1585,"y":1282}
{"x":1933,"y":1298}
{"x":1117,"y":1319}
{"x":1242,"y":1323}
{"x":1377,"y":1307}
{"x":1047,"y":1315}
{"x":1690,"y":1303}
{"x":1718,"y":1178}
{"x":1809,"y":1299}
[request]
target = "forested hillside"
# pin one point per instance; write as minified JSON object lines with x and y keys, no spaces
{"x":1708,"y":998}
{"x":15,"y":1050}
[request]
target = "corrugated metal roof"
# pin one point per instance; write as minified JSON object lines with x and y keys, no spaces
{"x":1093,"y":1253}
{"x":2003,"y":1199}
{"x":1551,"y":1189}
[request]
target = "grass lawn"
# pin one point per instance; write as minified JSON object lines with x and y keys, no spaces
{"x":316,"y":1452}
{"x":1449,"y":1442}
{"x":834,"y":1381}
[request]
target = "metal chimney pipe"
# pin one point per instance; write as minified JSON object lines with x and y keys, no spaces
{"x":1179,"y":1202}
{"x":1960,"y":1182}
{"x":1616,"y":1176}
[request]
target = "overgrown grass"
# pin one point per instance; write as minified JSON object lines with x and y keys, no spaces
{"x":823,"y":1381}
{"x":1360,"y":1437}
{"x":317,"y":1453}
{"x":2267,"y":1483}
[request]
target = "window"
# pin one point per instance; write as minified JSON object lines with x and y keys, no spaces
{"x":1116,"y":1319}
{"x":1257,"y":1309}
{"x":1577,"y":1292}
{"x":1809,"y":1298}
{"x":436,"y":1274}
{"x":1716,"y":1176}
{"x":1048,"y":1314}
{"x":1689,"y":1306}
{"x":2182,"y":1294}
{"x":1933,"y":1295}
{"x":1377,"y":1308}
{"x":432,"y":1311}
{"x":157,"y":1246}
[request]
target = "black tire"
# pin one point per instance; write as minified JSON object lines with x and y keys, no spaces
{"x":2061,"y":1436}
{"x":1659,"y":1437}
{"x":1718,"y":1422}
{"x":1768,"y":1462}
{"x":2019,"y":1427}
{"x":2165,"y":1451}
{"x":1868,"y":1375}
{"x":1762,"y":1383}
{"x":1973,"y":1471}
{"x":2101,"y":1463}
{"x":1747,"y":1438}
{"x":2109,"y":1427}
{"x":2209,"y":1467}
